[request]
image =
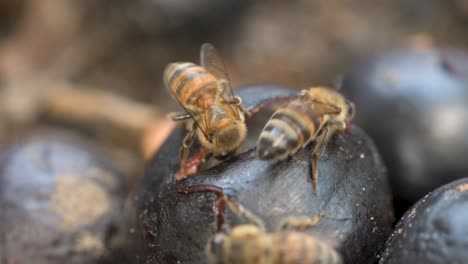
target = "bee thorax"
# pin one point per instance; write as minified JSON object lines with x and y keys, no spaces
{"x":227,"y":139}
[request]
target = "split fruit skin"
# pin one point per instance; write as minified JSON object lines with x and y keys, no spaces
{"x":434,"y":230}
{"x":413,"y":103}
{"x":60,"y":201}
{"x":353,"y":193}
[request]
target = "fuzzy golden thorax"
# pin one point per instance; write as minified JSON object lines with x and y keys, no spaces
{"x":333,"y":97}
{"x":225,"y":138}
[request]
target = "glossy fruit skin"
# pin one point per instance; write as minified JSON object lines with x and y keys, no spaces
{"x":61,"y":201}
{"x":434,"y":230}
{"x":413,"y":103}
{"x":352,"y":186}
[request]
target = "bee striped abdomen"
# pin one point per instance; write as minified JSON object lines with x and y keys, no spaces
{"x":191,"y":84}
{"x":289,"y":129}
{"x":295,"y":247}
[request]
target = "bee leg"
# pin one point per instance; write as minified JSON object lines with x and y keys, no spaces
{"x":179,"y":116}
{"x":323,"y":135}
{"x":243,"y":212}
{"x":183,"y":154}
{"x":242,"y":108}
{"x":320,"y":141}
{"x":301,"y":222}
{"x":314,"y":173}
{"x":236,"y":100}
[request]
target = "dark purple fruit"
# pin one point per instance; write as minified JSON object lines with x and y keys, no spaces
{"x":434,"y":230}
{"x":414,"y":104}
{"x":352,"y":185}
{"x":61,"y":201}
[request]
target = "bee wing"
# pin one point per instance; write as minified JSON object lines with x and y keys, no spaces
{"x":322,"y":108}
{"x":212,"y":62}
{"x":319,"y":107}
{"x":194,"y":114}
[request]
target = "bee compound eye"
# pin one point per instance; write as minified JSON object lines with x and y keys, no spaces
{"x":350,"y":108}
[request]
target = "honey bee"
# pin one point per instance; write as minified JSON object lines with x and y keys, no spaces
{"x":251,"y":244}
{"x":312,"y":117}
{"x":213,"y":114}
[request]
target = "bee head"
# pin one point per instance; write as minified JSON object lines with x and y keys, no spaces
{"x":230,"y":137}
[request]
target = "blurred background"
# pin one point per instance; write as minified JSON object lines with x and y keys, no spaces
{"x":121,"y":47}
{"x":95,"y":67}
